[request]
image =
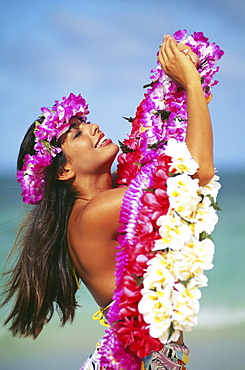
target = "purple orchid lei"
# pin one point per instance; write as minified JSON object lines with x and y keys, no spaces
{"x":145,"y":168}
{"x":55,"y":123}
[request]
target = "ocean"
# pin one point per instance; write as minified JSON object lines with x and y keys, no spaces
{"x":216,"y":343}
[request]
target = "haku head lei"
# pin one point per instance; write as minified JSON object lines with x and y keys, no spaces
{"x":56,"y":121}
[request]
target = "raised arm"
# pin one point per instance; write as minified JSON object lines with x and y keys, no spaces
{"x":181,"y":67}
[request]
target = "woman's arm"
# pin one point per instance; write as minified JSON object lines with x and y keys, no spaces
{"x":182,"y":69}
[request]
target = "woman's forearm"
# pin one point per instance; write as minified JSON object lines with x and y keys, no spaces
{"x":181,"y":68}
{"x":199,"y":136}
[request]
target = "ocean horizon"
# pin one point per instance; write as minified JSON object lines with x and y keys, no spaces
{"x":217,"y":341}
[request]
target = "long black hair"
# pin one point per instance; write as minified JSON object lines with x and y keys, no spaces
{"x":43,"y":275}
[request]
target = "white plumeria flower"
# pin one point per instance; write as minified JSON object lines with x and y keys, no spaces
{"x":185,"y":322}
{"x":182,"y":162}
{"x":155,"y":305}
{"x":157,"y":310}
{"x":182,"y":192}
{"x":186,"y":306}
{"x":198,"y":254}
{"x":205,"y":254}
{"x":166,"y":260}
{"x":200,"y":279}
{"x":206,"y":217}
{"x":174,"y":233}
{"x":212,"y":188}
{"x":159,"y":331}
{"x":183,"y":267}
{"x":186,"y":264}
{"x":177,"y":265}
{"x":208,"y":250}
{"x":155,"y":302}
{"x":157,"y":273}
{"x":189,"y":291}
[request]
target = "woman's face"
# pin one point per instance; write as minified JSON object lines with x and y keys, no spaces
{"x":87,"y":149}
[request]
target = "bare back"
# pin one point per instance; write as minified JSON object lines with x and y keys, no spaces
{"x":92,"y":241}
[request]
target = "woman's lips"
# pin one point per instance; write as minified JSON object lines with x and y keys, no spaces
{"x":102,"y":141}
{"x":106,"y":142}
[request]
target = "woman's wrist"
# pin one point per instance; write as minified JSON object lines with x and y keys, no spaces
{"x":194,"y":85}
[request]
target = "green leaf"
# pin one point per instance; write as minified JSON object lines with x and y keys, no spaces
{"x":202,"y":64}
{"x":38,"y":122}
{"x":125,"y":148}
{"x":47,"y":145}
{"x":204,"y":235}
{"x":156,"y":144}
{"x":164,"y":114}
{"x":139,"y":164}
{"x":170,"y":174}
{"x":149,"y":85}
{"x":183,"y":219}
{"x":171,"y":331}
{"x":138,"y":279}
{"x":185,"y":282}
{"x":130,"y":119}
{"x":214,"y":204}
{"x":151,"y":190}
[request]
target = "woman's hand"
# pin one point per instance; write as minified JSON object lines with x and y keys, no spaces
{"x":179,"y":62}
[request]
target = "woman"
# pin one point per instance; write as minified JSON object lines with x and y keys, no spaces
{"x":75,"y":221}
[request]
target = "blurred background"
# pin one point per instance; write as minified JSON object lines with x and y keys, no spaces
{"x":105,"y":50}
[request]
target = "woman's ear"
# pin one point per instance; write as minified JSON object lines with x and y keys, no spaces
{"x":65,"y":173}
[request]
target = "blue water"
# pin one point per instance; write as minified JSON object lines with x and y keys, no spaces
{"x":222,"y":314}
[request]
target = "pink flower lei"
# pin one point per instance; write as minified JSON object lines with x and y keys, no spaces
{"x":146,"y":165}
{"x":55,"y":123}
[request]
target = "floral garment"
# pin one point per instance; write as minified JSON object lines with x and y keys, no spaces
{"x":171,"y":357}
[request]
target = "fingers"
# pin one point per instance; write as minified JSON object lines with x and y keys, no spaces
{"x":169,"y":44}
{"x":170,"y":50}
{"x":162,"y":58}
{"x":187,"y":51}
{"x":167,"y":51}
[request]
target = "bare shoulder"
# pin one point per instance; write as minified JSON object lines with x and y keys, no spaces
{"x":105,"y":198}
{"x":100,"y":214}
{"x":105,"y":206}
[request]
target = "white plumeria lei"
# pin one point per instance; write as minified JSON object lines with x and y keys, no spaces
{"x":170,"y":294}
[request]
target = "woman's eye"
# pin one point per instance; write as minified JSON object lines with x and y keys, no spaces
{"x":73,"y":125}
{"x":78,"y":133}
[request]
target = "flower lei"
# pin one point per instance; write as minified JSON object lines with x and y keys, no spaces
{"x":51,"y":125}
{"x":167,"y":219}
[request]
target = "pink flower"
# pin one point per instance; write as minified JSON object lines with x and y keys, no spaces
{"x":180,"y":35}
{"x":200,"y":38}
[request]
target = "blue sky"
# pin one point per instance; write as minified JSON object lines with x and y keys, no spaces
{"x":105,"y":50}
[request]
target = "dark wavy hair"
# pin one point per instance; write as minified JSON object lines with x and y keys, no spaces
{"x":43,"y":274}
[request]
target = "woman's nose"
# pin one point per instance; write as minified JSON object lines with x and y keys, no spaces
{"x":94,"y":128}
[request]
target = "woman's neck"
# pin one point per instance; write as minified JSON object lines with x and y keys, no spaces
{"x":90,"y":186}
